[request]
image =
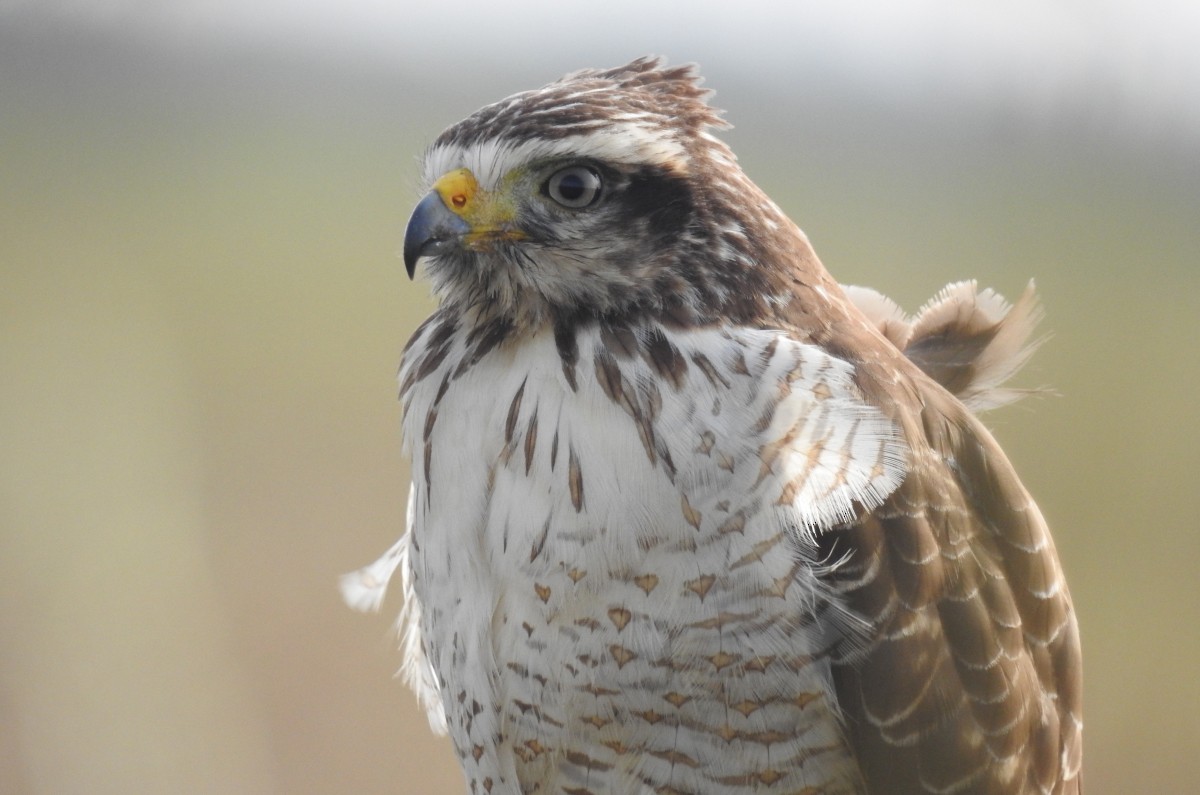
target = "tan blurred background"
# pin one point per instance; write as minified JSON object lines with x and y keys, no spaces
{"x":202,"y":309}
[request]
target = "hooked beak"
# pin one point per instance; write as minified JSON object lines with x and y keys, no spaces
{"x":459,"y":212}
{"x":431,"y":226}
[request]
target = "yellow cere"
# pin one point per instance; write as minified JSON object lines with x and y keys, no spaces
{"x":457,"y":188}
{"x":490,"y":214}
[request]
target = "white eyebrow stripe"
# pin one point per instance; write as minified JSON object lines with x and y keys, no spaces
{"x":627,"y":143}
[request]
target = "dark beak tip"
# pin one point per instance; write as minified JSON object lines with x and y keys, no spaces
{"x":411,"y":256}
{"x":431,"y":225}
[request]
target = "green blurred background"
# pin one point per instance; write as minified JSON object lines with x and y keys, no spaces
{"x":202,"y":310}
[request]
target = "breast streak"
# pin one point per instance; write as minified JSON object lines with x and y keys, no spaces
{"x":612,"y":567}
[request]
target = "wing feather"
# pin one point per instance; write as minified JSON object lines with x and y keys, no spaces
{"x":971,"y":681}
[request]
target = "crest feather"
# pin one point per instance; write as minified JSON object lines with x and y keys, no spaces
{"x":644,"y":95}
{"x":680,"y":87}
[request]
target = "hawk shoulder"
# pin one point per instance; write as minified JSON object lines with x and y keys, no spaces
{"x":971,"y":682}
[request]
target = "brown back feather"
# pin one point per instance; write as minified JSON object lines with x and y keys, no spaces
{"x":972,"y":682}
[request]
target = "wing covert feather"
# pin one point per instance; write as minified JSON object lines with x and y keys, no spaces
{"x":971,"y":682}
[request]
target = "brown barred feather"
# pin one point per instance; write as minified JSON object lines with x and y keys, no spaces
{"x":971,"y":683}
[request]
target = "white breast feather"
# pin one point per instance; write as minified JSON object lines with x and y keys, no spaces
{"x":765,"y":436}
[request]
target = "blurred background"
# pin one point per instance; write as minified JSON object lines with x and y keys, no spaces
{"x":202,"y":309}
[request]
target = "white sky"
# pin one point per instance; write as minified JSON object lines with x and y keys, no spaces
{"x":1138,"y":61}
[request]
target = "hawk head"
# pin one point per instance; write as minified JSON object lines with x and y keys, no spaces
{"x":602,"y":194}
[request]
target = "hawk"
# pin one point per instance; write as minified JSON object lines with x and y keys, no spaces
{"x":688,"y":516}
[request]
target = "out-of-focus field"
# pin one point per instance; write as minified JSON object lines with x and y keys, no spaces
{"x":202,"y":309}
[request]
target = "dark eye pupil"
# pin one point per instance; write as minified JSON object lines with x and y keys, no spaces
{"x":571,"y":187}
{"x":575,"y":187}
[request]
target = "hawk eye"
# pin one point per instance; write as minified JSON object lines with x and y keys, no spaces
{"x":575,"y":187}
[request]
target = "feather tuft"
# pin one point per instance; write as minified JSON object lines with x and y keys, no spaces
{"x":970,"y":341}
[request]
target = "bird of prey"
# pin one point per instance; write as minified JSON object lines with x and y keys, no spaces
{"x":687,"y":515}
